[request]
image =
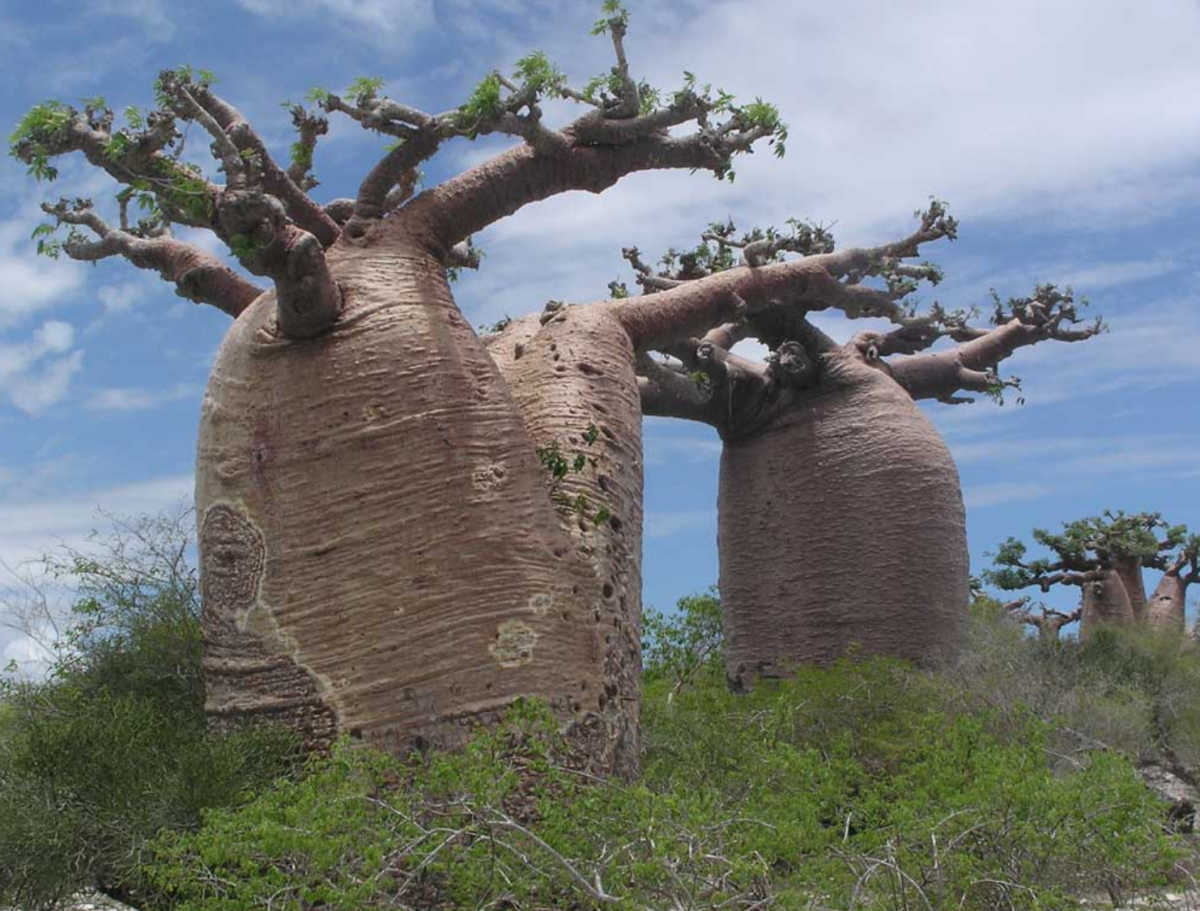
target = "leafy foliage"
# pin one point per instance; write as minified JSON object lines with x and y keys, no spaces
{"x":538,"y":75}
{"x":560,"y":465}
{"x":30,"y":139}
{"x":484,"y":104}
{"x":364,"y":89}
{"x":1091,"y":542}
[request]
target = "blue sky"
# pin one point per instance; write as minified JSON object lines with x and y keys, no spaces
{"x":1066,"y":137}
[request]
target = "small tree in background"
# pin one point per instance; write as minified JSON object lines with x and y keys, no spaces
{"x":1105,"y":556}
{"x":110,"y":748}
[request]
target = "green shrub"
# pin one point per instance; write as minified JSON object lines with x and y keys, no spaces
{"x":1133,"y":691}
{"x":842,"y":788}
{"x":110,"y":748}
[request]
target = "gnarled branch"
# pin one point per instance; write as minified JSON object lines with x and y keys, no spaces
{"x":196,"y":275}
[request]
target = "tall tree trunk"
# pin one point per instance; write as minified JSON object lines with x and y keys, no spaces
{"x":1166,"y":607}
{"x":380,"y":555}
{"x":1105,"y":603}
{"x":1129,"y":569}
{"x":841,"y":527}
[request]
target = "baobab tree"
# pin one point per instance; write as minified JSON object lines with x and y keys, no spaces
{"x":1105,"y":556}
{"x":1047,"y":621}
{"x":399,"y":537}
{"x":840,"y":516}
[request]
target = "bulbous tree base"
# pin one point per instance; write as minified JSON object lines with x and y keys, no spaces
{"x":380,"y":554}
{"x":841,"y":533}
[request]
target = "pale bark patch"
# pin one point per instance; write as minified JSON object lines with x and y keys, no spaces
{"x":514,"y":643}
{"x":488,"y":476}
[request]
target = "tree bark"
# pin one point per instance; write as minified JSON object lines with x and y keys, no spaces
{"x":572,"y":376}
{"x":1166,"y":607}
{"x":841,"y":527}
{"x":1105,"y":604}
{"x":1129,"y":569}
{"x":380,"y":554}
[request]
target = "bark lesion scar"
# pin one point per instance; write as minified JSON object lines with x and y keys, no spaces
{"x":232,"y":557}
{"x":488,"y":475}
{"x":514,"y":643}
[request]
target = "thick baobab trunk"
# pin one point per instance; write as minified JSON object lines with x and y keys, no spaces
{"x":841,"y":527}
{"x":1166,"y":606}
{"x":1105,"y":604}
{"x":572,"y":375}
{"x":1129,"y":570}
{"x":380,"y":556}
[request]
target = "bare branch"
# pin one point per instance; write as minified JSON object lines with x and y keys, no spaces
{"x":310,"y":128}
{"x":308,"y":298}
{"x":669,"y":393}
{"x":1048,"y":315}
{"x":196,"y":275}
{"x":253,"y":166}
{"x":132,"y":157}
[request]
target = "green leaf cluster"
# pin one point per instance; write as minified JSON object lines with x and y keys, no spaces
{"x":486,"y":103}
{"x":559,"y":465}
{"x":616,"y":16}
{"x":363,"y":89}
{"x":31,"y":139}
{"x":536,"y":73}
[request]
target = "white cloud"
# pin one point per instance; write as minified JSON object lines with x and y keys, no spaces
{"x":666,"y":440}
{"x":125,"y":399}
{"x":31,"y":526}
{"x":369,"y":20}
{"x":1043,"y":115}
{"x":123,"y":297}
{"x":30,"y":282}
{"x":1089,"y":279}
{"x":984,"y":495}
{"x":152,"y":16}
{"x":36,"y":373}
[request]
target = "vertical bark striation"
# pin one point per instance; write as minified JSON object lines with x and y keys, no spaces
{"x":841,"y":526}
{"x":414,"y":574}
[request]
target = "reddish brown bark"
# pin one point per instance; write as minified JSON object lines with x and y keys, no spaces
{"x":1105,"y":604}
{"x":392,"y":436}
{"x":1129,"y":571}
{"x":841,"y":529}
{"x":1165,"y":609}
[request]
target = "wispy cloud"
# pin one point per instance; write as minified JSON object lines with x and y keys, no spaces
{"x":667,"y":441}
{"x":368,"y":20}
{"x":984,"y":495}
{"x":125,"y":399}
{"x":36,"y":373}
{"x":33,"y":525}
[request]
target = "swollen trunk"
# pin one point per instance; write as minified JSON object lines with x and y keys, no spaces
{"x":1165,"y":609}
{"x":841,"y":528}
{"x":379,"y":553}
{"x":1129,"y":569}
{"x":1105,"y":603}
